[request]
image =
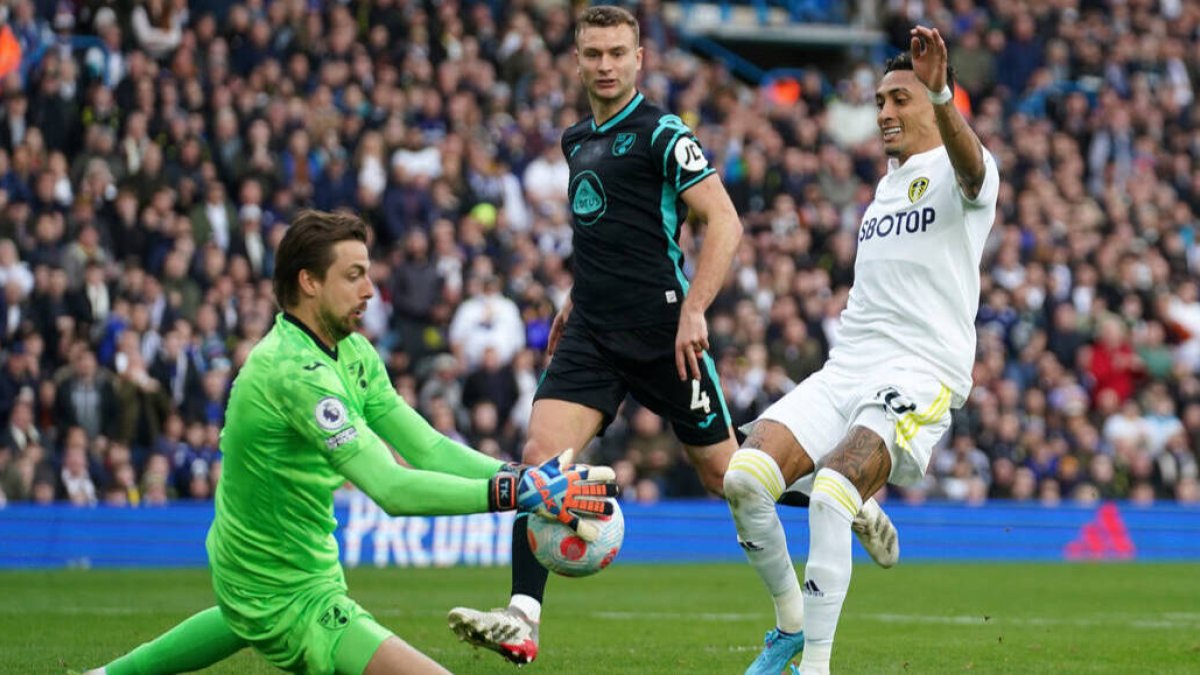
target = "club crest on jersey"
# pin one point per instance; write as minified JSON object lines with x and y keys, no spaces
{"x":588,"y":200}
{"x":623,"y":143}
{"x":917,"y":188}
{"x":331,"y":414}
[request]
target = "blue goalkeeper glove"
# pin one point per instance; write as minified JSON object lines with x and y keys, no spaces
{"x":572,"y":494}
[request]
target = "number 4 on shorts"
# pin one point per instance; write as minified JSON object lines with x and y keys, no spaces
{"x":700,"y":398}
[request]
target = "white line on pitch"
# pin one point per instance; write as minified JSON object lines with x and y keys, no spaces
{"x":1169,"y":620}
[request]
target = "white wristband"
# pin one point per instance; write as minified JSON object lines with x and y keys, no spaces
{"x":942,"y":96}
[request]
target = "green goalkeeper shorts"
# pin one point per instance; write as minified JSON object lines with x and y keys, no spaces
{"x":301,"y":630}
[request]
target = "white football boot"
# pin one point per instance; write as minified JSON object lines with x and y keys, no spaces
{"x":877,"y":534}
{"x":507,"y":632}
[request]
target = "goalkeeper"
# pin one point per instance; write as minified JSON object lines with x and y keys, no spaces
{"x":311,"y":408}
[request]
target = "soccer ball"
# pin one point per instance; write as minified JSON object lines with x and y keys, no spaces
{"x":561,"y":551}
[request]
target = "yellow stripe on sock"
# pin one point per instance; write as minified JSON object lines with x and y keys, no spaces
{"x":761,"y":470}
{"x":848,"y":505}
{"x":834,"y":489}
{"x":851,"y":496}
{"x":754,"y":470}
{"x":776,"y":480}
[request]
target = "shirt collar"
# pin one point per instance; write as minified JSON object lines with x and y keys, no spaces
{"x":331,"y":352}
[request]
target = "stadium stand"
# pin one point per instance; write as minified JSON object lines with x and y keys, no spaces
{"x":151,"y":154}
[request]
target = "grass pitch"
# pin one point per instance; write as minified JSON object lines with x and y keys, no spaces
{"x":916,"y":618}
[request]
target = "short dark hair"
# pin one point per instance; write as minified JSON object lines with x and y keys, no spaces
{"x":903,"y":61}
{"x":603,"y":16}
{"x":308,"y":245}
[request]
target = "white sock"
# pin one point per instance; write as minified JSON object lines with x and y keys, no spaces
{"x":529,"y":606}
{"x":834,"y":503}
{"x":753,"y":483}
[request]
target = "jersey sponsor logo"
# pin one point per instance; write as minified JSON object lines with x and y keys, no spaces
{"x":623,"y":143}
{"x":707,"y":421}
{"x":672,"y":298}
{"x":330,"y":413}
{"x":911,"y":222}
{"x":341,"y":438}
{"x":917,"y":188}
{"x":688,"y":154}
{"x":313,"y":366}
{"x":588,"y":200}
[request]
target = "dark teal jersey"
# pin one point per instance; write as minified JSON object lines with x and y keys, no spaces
{"x":627,"y":176}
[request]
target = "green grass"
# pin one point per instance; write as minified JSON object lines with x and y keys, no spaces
{"x":916,"y":618}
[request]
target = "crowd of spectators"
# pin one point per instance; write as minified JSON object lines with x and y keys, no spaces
{"x":152,"y":154}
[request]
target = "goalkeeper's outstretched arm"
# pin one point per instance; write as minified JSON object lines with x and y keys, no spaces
{"x":425,"y":448}
{"x":401,"y":491}
{"x":555,"y":489}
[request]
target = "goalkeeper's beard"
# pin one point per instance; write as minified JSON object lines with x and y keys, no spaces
{"x":338,"y":327}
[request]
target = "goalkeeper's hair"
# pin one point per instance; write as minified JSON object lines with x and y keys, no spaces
{"x":308,"y":245}
{"x":603,"y":16}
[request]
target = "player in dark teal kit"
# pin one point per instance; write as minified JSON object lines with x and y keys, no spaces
{"x":634,"y":324}
{"x":628,"y":194}
{"x":312,"y":407}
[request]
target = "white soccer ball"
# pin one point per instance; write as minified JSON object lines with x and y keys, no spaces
{"x":561,"y":551}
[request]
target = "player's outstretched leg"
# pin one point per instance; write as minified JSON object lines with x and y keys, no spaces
{"x":877,"y":534}
{"x":872,"y":526}
{"x":753,"y":483}
{"x":554,"y":425}
{"x":506,"y":631}
{"x":198,"y":642}
{"x":858,"y":466}
{"x":511,"y":632}
{"x":835,"y":502}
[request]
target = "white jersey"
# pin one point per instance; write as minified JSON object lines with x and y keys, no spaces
{"x":916,"y":274}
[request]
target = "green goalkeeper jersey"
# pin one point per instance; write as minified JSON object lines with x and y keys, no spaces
{"x":297,"y":413}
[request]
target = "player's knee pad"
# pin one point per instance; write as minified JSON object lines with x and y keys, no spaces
{"x":753,"y":477}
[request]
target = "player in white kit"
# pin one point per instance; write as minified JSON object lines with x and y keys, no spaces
{"x":901,"y":361}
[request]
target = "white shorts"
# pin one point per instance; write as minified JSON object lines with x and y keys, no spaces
{"x":910,"y":410}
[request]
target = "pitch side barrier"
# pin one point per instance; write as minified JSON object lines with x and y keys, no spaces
{"x":668,"y":532}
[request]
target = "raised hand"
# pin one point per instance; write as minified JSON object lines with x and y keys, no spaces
{"x":929,"y":57}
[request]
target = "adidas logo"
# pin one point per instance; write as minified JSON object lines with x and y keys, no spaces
{"x":749,"y":546}
{"x":811,"y":588}
{"x":1105,"y":538}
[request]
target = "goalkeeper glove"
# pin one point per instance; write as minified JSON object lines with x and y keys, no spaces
{"x":502,"y":487}
{"x":556,"y":493}
{"x":573,"y":494}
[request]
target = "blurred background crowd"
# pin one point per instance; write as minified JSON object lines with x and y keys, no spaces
{"x":153,"y":151}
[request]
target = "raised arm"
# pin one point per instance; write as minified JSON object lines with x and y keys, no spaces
{"x":930,"y":56}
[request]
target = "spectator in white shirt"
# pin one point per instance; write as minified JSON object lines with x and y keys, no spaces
{"x":12,"y":269}
{"x":546,"y":180}
{"x":487,"y":319}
